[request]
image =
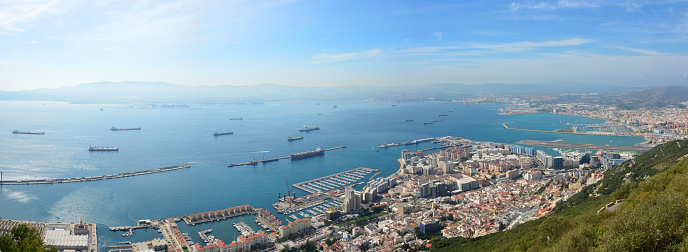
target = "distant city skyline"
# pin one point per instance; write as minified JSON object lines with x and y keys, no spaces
{"x":56,"y":43}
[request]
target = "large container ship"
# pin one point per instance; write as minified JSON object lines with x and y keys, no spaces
{"x":118,"y":129}
{"x":291,"y":138}
{"x":28,"y":132}
{"x":94,"y":148}
{"x":222,"y":133}
{"x":317,"y":152}
{"x":306,"y":128}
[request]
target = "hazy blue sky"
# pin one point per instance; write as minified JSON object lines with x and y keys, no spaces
{"x":57,"y":43}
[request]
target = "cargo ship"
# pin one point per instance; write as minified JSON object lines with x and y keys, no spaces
{"x":28,"y":132}
{"x":441,"y":114}
{"x":317,"y":152}
{"x":409,"y":120}
{"x":222,"y":133}
{"x":269,"y":160}
{"x":426,"y":123}
{"x":118,"y":129}
{"x":94,"y":148}
{"x":291,"y":138}
{"x":436,"y":120}
{"x":236,"y":119}
{"x":306,"y":128}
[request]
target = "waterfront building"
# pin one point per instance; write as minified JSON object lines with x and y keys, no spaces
{"x":297,"y":226}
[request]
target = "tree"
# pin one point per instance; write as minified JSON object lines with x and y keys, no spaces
{"x":23,"y":238}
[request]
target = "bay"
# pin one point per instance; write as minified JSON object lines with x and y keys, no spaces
{"x":174,"y":136}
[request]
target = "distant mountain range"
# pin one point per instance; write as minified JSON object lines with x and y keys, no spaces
{"x":162,"y":92}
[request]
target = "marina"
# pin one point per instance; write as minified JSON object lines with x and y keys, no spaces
{"x":94,"y":178}
{"x":254,"y":162}
{"x":244,"y":229}
{"x":333,"y":182}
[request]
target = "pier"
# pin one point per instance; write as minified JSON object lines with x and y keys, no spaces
{"x":382,"y":146}
{"x":552,"y":144}
{"x":255,"y":162}
{"x":94,"y":178}
{"x":333,"y":181}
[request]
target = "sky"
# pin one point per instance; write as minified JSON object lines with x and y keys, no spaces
{"x":56,"y":43}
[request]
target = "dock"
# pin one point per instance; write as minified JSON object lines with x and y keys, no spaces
{"x":382,"y":146}
{"x":255,"y":162}
{"x":94,"y":178}
{"x":553,"y":144}
{"x":334,"y":181}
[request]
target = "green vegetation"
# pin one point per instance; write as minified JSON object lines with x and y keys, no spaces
{"x":23,"y":238}
{"x":362,"y":220}
{"x":652,"y":217}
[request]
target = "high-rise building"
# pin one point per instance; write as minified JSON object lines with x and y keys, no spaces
{"x":352,"y":200}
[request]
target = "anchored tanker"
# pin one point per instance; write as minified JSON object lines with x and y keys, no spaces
{"x":222,"y":133}
{"x":291,"y":138}
{"x":94,"y":148}
{"x":28,"y":132}
{"x":306,"y":128}
{"x":317,"y":152}
{"x":118,"y":129}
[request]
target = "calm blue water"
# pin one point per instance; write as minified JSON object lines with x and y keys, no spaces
{"x":178,"y":136}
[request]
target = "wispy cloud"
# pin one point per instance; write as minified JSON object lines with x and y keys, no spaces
{"x":323,"y":57}
{"x":553,"y":5}
{"x":438,"y":35}
{"x":16,"y":14}
{"x":145,"y":21}
{"x":642,"y":51}
{"x":501,"y":47}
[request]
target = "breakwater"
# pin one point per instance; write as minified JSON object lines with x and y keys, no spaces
{"x":255,"y":162}
{"x":94,"y":178}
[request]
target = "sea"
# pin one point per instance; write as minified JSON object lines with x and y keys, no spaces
{"x":184,"y":135}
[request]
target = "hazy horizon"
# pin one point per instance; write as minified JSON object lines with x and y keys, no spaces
{"x":57,"y":43}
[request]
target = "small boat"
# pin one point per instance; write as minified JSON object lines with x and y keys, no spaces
{"x":441,"y":114}
{"x":409,"y":120}
{"x":426,"y":123}
{"x":335,"y":106}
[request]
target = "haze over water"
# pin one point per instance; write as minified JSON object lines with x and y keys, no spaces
{"x":179,"y":136}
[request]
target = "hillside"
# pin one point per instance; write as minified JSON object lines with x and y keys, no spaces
{"x":651,"y":98}
{"x":652,"y":217}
